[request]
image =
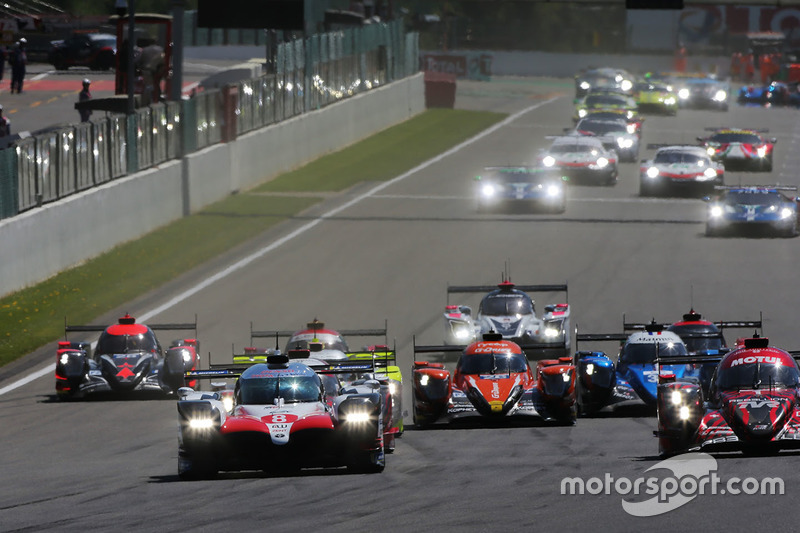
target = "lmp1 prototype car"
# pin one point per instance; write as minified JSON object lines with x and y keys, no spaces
{"x":633,"y":379}
{"x":602,"y":78}
{"x":754,"y":210}
{"x":655,"y":97}
{"x":751,"y":405}
{"x":613,"y":133}
{"x":279,"y":421}
{"x":128,"y":357}
{"x":510,"y":312}
{"x":701,"y":92}
{"x":605,"y":100}
{"x":740,"y":148}
{"x":584,"y":160}
{"x":329,"y":345}
{"x":494,"y":381}
{"x":541,"y":189}
{"x":679,"y":170}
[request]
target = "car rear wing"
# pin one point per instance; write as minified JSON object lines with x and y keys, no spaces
{"x":187,"y":326}
{"x":724,"y":324}
{"x":454,"y":348}
{"x":464,"y":289}
{"x":242,"y":362}
{"x":285,"y":333}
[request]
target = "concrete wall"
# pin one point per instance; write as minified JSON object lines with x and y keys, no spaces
{"x":44,"y":241}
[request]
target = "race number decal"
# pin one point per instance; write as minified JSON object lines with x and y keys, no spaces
{"x":279,"y":419}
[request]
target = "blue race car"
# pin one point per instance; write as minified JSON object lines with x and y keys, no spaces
{"x":701,"y":92}
{"x":633,"y":380}
{"x":776,"y":93}
{"x":537,"y":188}
{"x":756,"y":209}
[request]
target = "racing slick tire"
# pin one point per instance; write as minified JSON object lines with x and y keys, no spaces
{"x":711,"y":231}
{"x":59,"y":63}
{"x":767,"y":167}
{"x":194,"y":468}
{"x":172,"y":371}
{"x":791,"y":231}
{"x":645,"y":189}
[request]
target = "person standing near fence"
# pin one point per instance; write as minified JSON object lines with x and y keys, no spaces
{"x":5,"y":124}
{"x":18,"y":61}
{"x":83,"y":97}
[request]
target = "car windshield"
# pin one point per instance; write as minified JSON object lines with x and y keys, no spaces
{"x":671,"y":157}
{"x":111,"y":344}
{"x":607,"y":114}
{"x":110,"y":42}
{"x":605,"y":100}
{"x":569,"y":148}
{"x":746,"y":138}
{"x":506,"y":305}
{"x":520,"y":176}
{"x":704,"y":344}
{"x":487,"y":363}
{"x":293,"y":389}
{"x":752,"y":198}
{"x":642,"y":354}
{"x":757,"y":376}
{"x":601,"y":127}
{"x":328,"y":340}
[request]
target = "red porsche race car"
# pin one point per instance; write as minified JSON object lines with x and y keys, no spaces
{"x":492,"y":380}
{"x":751,"y":405}
{"x":740,"y":148}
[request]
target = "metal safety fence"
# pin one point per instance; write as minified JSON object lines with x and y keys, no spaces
{"x":310,"y":73}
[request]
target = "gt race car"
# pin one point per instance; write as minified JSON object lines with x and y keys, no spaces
{"x":319,"y":342}
{"x":753,"y":210}
{"x":605,"y":100}
{"x":613,"y":133}
{"x":584,"y":160}
{"x":740,"y":148}
{"x":632,"y":381}
{"x":602,"y":78}
{"x":751,"y":405}
{"x":655,"y":97}
{"x":128,"y":357}
{"x":508,"y":310}
{"x":492,"y":382}
{"x":634,"y":121}
{"x":676,"y":169}
{"x":537,"y":188}
{"x":701,"y":92}
{"x":279,"y":421}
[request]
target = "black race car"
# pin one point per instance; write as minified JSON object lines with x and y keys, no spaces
{"x":94,"y":50}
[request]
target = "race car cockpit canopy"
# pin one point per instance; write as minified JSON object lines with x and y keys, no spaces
{"x":329,"y":339}
{"x":641,"y":348}
{"x":506,"y":302}
{"x":670,"y":157}
{"x":760,"y":369}
{"x":127,"y":338}
{"x":745,"y":137}
{"x":492,"y":363}
{"x":759,"y":197}
{"x":263,"y":384}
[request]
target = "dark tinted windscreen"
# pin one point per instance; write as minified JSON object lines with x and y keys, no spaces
{"x":505,"y":305}
{"x":486,"y":363}
{"x":757,"y":376}
{"x":110,"y":344}
{"x":640,"y":354}
{"x":264,"y":391}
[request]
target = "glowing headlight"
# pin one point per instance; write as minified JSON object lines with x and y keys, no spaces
{"x":392,"y":388}
{"x":461,"y":333}
{"x":549,"y":161}
{"x":669,"y":100}
{"x":626,"y":85}
{"x":565,"y":376}
{"x":710,"y":173}
{"x":227,"y":401}
{"x":356,"y":418}
{"x":423,"y":380}
{"x":618,"y":78}
{"x":711,"y":150}
{"x":551,"y":332}
{"x":715,"y":211}
{"x":585,"y":85}
{"x":590,"y":369}
{"x":553,"y":191}
{"x":676,"y":398}
{"x":669,"y":88}
{"x":786,"y":213}
{"x":64,"y":359}
{"x":684,"y":413}
{"x":720,"y":96}
{"x":683,"y":94}
{"x":629,"y":114}
{"x":581,"y":113}
{"x":201,"y":423}
{"x":624,"y":143}
{"x":652,"y":172}
{"x":602,"y":162}
{"x":761,"y":151}
{"x":488,"y":190}
{"x":631,"y":128}
{"x":187,"y":356}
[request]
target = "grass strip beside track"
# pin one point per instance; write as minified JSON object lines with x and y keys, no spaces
{"x":34,"y":317}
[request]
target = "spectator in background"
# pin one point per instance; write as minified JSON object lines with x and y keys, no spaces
{"x":83,"y":97}
{"x":3,"y":53}
{"x":18,"y":61}
{"x":5,"y":124}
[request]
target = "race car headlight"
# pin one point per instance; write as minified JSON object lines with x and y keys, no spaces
{"x":357,"y":417}
{"x":187,"y":356}
{"x":551,"y":332}
{"x":684,"y":413}
{"x":64,"y":359}
{"x":683,"y":94}
{"x":669,"y":88}
{"x":669,"y":100}
{"x":423,"y":380}
{"x":652,"y":172}
{"x":589,"y":369}
{"x":761,"y":151}
{"x":631,"y":128}
{"x":786,"y":213}
{"x":624,"y":143}
{"x":201,"y":423}
{"x":626,"y":85}
{"x":711,"y":150}
{"x":227,"y":402}
{"x":676,"y":398}
{"x":392,"y":388}
{"x":549,"y":161}
{"x":629,"y":114}
{"x":710,"y":173}
{"x":715,"y":211}
{"x":602,"y":162}
{"x":581,"y":113}
{"x":461,"y":332}
{"x":585,"y":85}
{"x":553,"y":191}
{"x":488,"y":190}
{"x":720,"y":96}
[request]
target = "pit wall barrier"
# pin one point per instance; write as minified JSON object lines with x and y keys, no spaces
{"x":38,"y":244}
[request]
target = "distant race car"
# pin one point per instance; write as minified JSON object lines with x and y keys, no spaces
{"x":537,"y":188}
{"x":584,"y":160}
{"x":701,"y":92}
{"x":492,"y":381}
{"x":605,"y":100}
{"x":655,"y":97}
{"x":319,"y":342}
{"x":634,"y":121}
{"x":279,"y":421}
{"x":751,"y":405}
{"x":94,"y":50}
{"x":613,"y":133}
{"x":740,"y":148}
{"x":633,"y":380}
{"x":128,"y":357}
{"x":602,"y":78}
{"x":679,"y":169}
{"x":758,"y":209}
{"x":777,"y":93}
{"x":508,"y":310}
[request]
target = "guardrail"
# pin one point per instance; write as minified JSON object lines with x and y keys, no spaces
{"x":311,"y":73}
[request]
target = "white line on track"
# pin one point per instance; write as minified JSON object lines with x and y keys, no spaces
{"x":144,"y":317}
